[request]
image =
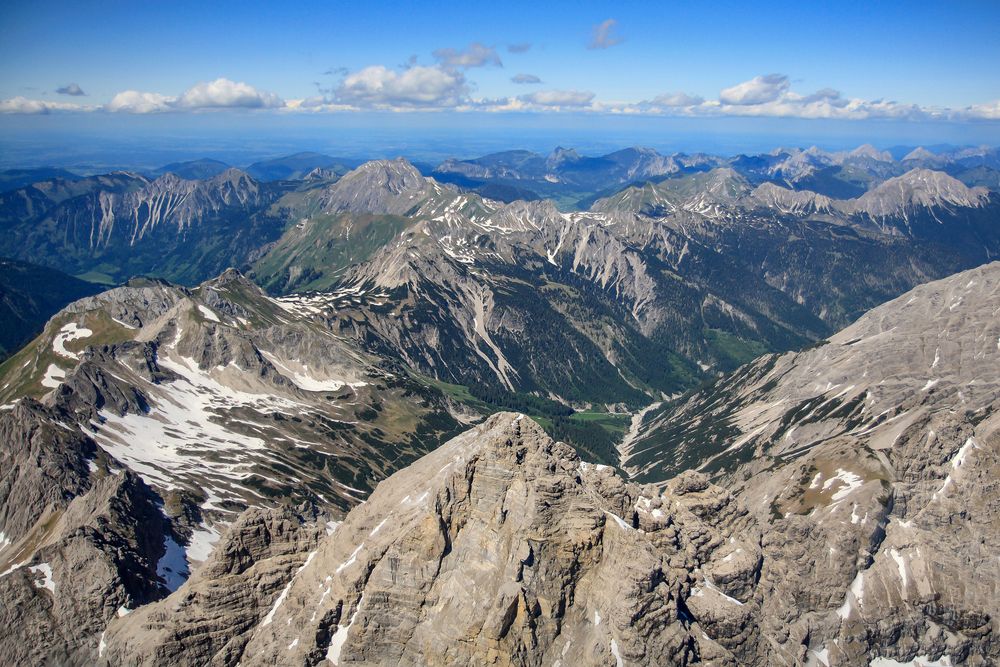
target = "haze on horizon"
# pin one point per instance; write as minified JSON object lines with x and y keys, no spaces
{"x":80,"y":84}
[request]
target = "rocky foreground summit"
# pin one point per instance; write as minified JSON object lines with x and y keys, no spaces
{"x":500,"y":547}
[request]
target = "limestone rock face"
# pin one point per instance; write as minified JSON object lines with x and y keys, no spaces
{"x":501,"y":547}
{"x":43,"y":465}
{"x":870,"y":464}
{"x":206,"y":621}
{"x":83,"y":563}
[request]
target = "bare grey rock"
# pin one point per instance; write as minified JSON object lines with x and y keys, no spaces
{"x":206,"y":622}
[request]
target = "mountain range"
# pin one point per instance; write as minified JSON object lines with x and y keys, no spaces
{"x":819,"y":506}
{"x":647,"y":409}
{"x":704,"y":269}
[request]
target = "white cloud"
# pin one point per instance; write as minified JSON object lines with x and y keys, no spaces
{"x":758,"y":90}
{"x":226,"y":94}
{"x":23,"y":105}
{"x":71,"y":89}
{"x":525,"y":78}
{"x":317,"y":105}
{"x":134,"y":101}
{"x":675,"y":100}
{"x":988,"y":111}
{"x":444,"y":86}
{"x":418,"y":86}
{"x":476,"y":55}
{"x":218,"y":94}
{"x":605,"y":35}
{"x":559,"y":98}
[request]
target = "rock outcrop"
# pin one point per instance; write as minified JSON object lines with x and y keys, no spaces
{"x":501,"y":547}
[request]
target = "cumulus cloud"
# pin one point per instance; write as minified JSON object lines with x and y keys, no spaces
{"x":559,"y":98}
{"x":418,"y":86}
{"x":71,"y":89}
{"x":134,"y":101}
{"x":218,"y":94}
{"x":988,"y":111}
{"x":444,"y":86}
{"x":23,"y":105}
{"x":475,"y":55}
{"x":758,"y":90}
{"x":605,"y":35}
{"x":226,"y":94}
{"x":825,"y":95}
{"x":675,"y":100}
{"x":525,"y":78}
{"x":521,"y":47}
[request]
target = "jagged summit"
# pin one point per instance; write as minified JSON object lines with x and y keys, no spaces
{"x":918,"y":188}
{"x":785,"y":200}
{"x":560,"y":156}
{"x":919,"y":153}
{"x":230,"y":277}
{"x":500,"y":543}
{"x":393,"y":173}
{"x":380,"y":186}
{"x":869,"y":151}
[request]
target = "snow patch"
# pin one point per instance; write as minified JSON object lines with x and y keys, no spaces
{"x":848,"y":479}
{"x":854,"y":596}
{"x":202,"y":543}
{"x":822,"y":656}
{"x":378,"y":527}
{"x":208,"y":313}
{"x":53,"y":376}
{"x":305,"y":381}
{"x":186,"y":432}
{"x":621,"y":523}
{"x":350,"y":561}
{"x":48,"y":582}
{"x":618,"y":656}
{"x":340,"y":636}
{"x":901,"y":564}
{"x":172,"y":567}
{"x":284,"y":592}
{"x":68,"y":333}
{"x":959,"y":459}
{"x":944,"y":487}
{"x":698,"y":592}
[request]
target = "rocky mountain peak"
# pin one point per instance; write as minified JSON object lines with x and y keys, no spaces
{"x":560,"y":156}
{"x":321,"y":174}
{"x":771,"y":195}
{"x":233,"y":175}
{"x":919,"y":153}
{"x":395,"y":175}
{"x":918,"y":188}
{"x":380,"y":187}
{"x":501,"y":542}
{"x":869,"y":151}
{"x":230,"y":277}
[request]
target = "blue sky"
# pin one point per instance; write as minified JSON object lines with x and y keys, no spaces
{"x":885,"y":66}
